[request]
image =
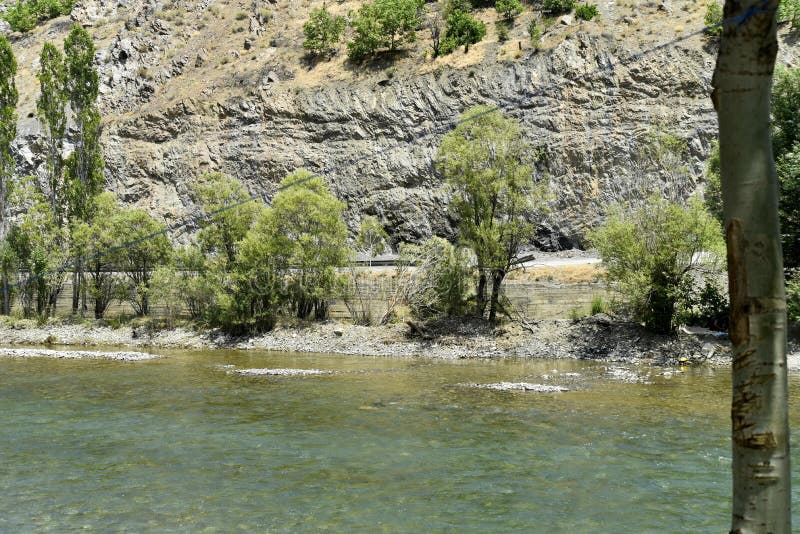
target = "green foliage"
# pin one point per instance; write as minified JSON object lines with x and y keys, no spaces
{"x":789,"y":10}
{"x":82,"y":75}
{"x":383,"y":24}
{"x":92,"y":241}
{"x":508,"y":9}
{"x":39,"y":245}
{"x":598,"y":305}
{"x":785,"y":110}
{"x":788,"y":167}
{"x":367,"y":34}
{"x":534,"y":32}
{"x":24,"y":15}
{"x":502,"y":30}
{"x":485,"y":162}
{"x":372,"y":237}
{"x":586,"y":11}
{"x":557,"y":7}
{"x":713,"y":19}
{"x":652,"y":254}
{"x":8,"y":122}
{"x":84,"y":167}
{"x":306,"y":238}
{"x":224,"y":226}
{"x":323,"y":32}
{"x":51,"y":108}
{"x":461,"y":29}
{"x":708,"y":308}
{"x":793,"y":296}
{"x":146,"y":248}
{"x":440,"y":283}
{"x":713,"y":193}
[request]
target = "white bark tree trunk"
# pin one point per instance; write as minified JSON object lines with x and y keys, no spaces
{"x":759,"y":413}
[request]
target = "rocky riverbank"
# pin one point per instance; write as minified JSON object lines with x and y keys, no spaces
{"x":598,"y":337}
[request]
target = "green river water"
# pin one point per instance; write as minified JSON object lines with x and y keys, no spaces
{"x":390,"y":445}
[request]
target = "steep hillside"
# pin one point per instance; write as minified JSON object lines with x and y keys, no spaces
{"x":194,"y":86}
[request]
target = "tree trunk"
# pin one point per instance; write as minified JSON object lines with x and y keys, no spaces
{"x":76,"y":292}
{"x":497,"y":281}
{"x":480,"y":294}
{"x":760,"y":429}
{"x":6,"y":297}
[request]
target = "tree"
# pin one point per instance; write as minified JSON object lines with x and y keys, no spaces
{"x":461,"y":29}
{"x":39,"y":245}
{"x":306,"y":238}
{"x":383,"y":24}
{"x":367,"y":34}
{"x":323,"y":32}
{"x":229,"y":210}
{"x":654,"y":253}
{"x":84,"y":167}
{"x":51,"y":108}
{"x":494,"y":197}
{"x":440,"y":282}
{"x":759,"y":408}
{"x":8,"y":124}
{"x":96,"y":243}
{"x":508,"y":9}
{"x":145,"y":247}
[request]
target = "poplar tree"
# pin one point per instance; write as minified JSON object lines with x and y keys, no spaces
{"x":8,"y":130}
{"x":8,"y":123}
{"x":52,"y":110}
{"x":84,"y":167}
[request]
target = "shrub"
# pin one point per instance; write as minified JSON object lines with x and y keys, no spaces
{"x":24,"y":15}
{"x":440,"y":283}
{"x":508,"y":9}
{"x":713,"y":19}
{"x":323,"y":32}
{"x":598,"y":305}
{"x":789,"y":10}
{"x":586,"y":11}
{"x":556,"y":7}
{"x":502,"y":31}
{"x":653,"y":254}
{"x":534,"y":32}
{"x":461,"y":29}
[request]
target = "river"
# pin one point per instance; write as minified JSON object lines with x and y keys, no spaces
{"x":182,"y":444}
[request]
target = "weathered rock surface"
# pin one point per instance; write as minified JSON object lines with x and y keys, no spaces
{"x":593,"y":107}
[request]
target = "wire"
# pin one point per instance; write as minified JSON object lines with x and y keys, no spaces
{"x":737,"y":20}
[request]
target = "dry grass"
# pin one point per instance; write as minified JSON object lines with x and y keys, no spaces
{"x":568,"y":273}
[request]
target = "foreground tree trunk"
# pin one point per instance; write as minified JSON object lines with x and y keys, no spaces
{"x":760,"y":429}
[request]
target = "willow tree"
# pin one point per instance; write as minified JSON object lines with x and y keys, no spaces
{"x":759,"y":413}
{"x":52,"y":110}
{"x":8,"y":123}
{"x":486,"y":163}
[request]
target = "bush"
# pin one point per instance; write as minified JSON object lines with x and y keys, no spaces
{"x":586,"y":11}
{"x":598,"y":305}
{"x":652,"y":255}
{"x":534,"y":32}
{"x":440,"y":283}
{"x":24,"y":15}
{"x":508,"y":9}
{"x":461,"y":29}
{"x":323,"y":32}
{"x":557,"y":7}
{"x":713,"y":19}
{"x":384,"y":24}
{"x":502,"y":31}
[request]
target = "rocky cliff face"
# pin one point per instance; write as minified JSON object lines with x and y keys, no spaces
{"x":607,"y":124}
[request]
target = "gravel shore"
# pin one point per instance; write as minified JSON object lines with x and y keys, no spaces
{"x":597,"y":338}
